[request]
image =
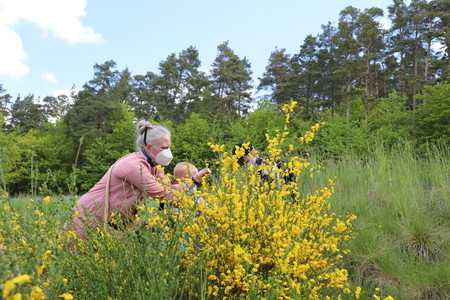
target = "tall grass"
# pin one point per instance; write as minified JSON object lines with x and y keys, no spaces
{"x":402,"y":201}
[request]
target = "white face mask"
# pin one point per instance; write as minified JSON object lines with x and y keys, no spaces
{"x":164,"y":157}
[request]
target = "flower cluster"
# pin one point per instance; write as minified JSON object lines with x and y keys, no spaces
{"x":259,"y":236}
{"x":288,"y":108}
{"x":309,"y":135}
{"x":10,"y":287}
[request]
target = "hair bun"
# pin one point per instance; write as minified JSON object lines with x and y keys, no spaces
{"x":143,"y":125}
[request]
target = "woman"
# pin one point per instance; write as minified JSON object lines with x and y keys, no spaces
{"x":131,"y":179}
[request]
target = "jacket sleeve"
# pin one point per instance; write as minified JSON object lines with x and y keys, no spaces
{"x":152,"y":185}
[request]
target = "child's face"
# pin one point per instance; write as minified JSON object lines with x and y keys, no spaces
{"x":251,"y":157}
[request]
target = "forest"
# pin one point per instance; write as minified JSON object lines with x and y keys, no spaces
{"x":369,"y":84}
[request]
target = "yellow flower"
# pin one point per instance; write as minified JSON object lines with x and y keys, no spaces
{"x":8,"y":287}
{"x":288,"y":116}
{"x":22,"y":279}
{"x":66,"y":296}
{"x":46,"y":254}
{"x":289,"y":107}
{"x":40,"y":269}
{"x":212,"y":277}
{"x":315,"y":127}
{"x":357,"y":292}
{"x":37,"y":293}
{"x":17,"y":296}
{"x":340,"y":226}
{"x":47,"y":199}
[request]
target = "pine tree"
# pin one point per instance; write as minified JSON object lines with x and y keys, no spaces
{"x":231,"y":83}
{"x":277,"y":76}
{"x":350,"y":65}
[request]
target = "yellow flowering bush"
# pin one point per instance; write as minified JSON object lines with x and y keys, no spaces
{"x":255,"y":237}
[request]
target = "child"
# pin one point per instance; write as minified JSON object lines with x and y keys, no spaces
{"x":185,"y":171}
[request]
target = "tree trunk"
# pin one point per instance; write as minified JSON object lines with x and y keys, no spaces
{"x":428,"y":57}
{"x":347,"y":102}
{"x":377,"y":84}
{"x":368,"y":79}
{"x":402,"y":68}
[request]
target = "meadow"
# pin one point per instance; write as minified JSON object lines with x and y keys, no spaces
{"x":402,"y":201}
{"x":351,"y":228}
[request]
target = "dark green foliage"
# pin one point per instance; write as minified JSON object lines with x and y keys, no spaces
{"x":388,"y":120}
{"x":277,"y":76}
{"x":265,"y":119}
{"x":97,"y":104}
{"x":231,"y":84}
{"x":26,"y":114}
{"x":5,"y":100}
{"x":190,"y":141}
{"x":432,"y":118}
{"x":173,"y":93}
{"x":304,"y":85}
{"x":101,"y":152}
{"x":338,"y":137}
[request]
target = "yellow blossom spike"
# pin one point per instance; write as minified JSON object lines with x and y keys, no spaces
{"x":66,"y":296}
{"x":22,"y":279}
{"x":7,"y":288}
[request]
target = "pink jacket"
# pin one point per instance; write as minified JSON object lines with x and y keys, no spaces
{"x":132,"y":179}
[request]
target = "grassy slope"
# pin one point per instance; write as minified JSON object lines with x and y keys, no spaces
{"x":403,"y":208}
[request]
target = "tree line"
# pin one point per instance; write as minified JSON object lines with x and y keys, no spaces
{"x":366,"y":81}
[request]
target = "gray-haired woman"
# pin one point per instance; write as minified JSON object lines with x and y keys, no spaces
{"x":130,"y":179}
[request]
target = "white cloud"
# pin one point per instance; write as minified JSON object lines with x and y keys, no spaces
{"x":206,"y":71}
{"x":67,"y":92}
{"x":385,"y":22}
{"x":437,"y":46}
{"x":59,"y":17}
{"x":12,"y":56}
{"x":49,"y":77}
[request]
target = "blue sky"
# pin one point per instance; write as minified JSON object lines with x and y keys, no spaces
{"x":48,"y":46}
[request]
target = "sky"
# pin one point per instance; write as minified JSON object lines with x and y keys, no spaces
{"x":48,"y":47}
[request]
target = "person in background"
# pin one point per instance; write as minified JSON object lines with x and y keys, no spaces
{"x":251,"y":157}
{"x":131,"y":179}
{"x":247,"y":155}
